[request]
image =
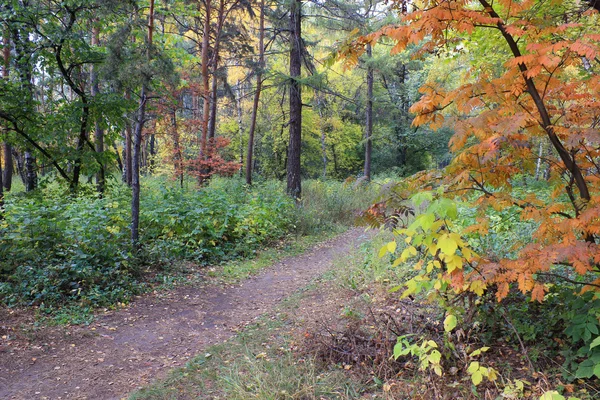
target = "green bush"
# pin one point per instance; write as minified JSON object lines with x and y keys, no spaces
{"x":56,"y":249}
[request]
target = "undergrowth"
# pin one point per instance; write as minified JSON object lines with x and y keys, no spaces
{"x":262,"y":362}
{"x":58,"y":249}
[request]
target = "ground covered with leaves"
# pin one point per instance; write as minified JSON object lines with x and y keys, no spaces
{"x":347,"y":336}
{"x":133,"y":346}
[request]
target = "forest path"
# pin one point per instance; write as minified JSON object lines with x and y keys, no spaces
{"x":132,"y":347}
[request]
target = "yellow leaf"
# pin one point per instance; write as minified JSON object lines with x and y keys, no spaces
{"x":408,"y":252}
{"x":450,"y":323}
{"x":391,"y":246}
{"x":477,"y":287}
{"x":447,"y":244}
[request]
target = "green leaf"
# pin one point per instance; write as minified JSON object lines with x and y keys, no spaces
{"x":421,"y":197}
{"x":597,"y":370}
{"x":383,"y":251}
{"x":450,"y":323}
{"x":426,"y":220}
{"x":595,"y":342}
{"x":395,"y":289}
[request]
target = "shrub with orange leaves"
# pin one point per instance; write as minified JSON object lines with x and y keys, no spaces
{"x":213,"y":163}
{"x":544,"y":90}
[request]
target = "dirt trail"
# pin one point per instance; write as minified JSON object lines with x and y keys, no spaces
{"x":132,"y":347}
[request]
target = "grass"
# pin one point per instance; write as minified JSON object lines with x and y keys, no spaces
{"x":266,"y":360}
{"x":259,"y":363}
{"x":238,"y":270}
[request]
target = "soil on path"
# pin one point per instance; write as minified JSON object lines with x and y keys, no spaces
{"x":132,"y":347}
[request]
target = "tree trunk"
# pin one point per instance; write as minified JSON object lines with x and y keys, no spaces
{"x":294,"y":188}
{"x":24,"y":68}
{"x":215,"y":67}
{"x":8,"y":161}
{"x":128,"y":148}
{"x":20,"y":165}
{"x":152,"y":154}
{"x":238,"y":102}
{"x":335,"y":163}
{"x":212,"y":120}
{"x":320,"y":106}
{"x":538,"y":164}
{"x":98,"y":131}
{"x":137,"y":142}
{"x":119,"y":161}
{"x":259,"y":78}
{"x":369,"y":115}
{"x":135,"y":173}
{"x":177,"y":157}
{"x":30,"y":172}
{"x":1,"y":192}
{"x":205,"y":88}
{"x":8,"y":167}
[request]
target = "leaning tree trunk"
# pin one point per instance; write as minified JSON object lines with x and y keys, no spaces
{"x":259,"y":78}
{"x":294,"y":188}
{"x":369,"y":115}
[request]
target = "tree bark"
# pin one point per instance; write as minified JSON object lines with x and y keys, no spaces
{"x":119,"y":161}
{"x":30,"y":172}
{"x":128,"y":148}
{"x":177,"y":157}
{"x":25,"y":73}
{"x":259,"y":78}
{"x":8,"y":167}
{"x":1,"y":192}
{"x":294,"y":187}
{"x":205,"y":88}
{"x":369,"y":114}
{"x":8,"y":161}
{"x":137,"y":142}
{"x":240,"y":113}
{"x":151,"y":154}
{"x":212,"y":126}
{"x":320,"y":106}
{"x":98,"y":131}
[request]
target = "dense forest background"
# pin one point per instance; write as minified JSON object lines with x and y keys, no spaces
{"x":74,"y":74}
{"x":139,"y":135}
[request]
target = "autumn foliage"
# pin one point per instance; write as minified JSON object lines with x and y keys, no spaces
{"x":538,"y":89}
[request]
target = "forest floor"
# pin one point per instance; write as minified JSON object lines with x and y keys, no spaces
{"x":129,"y":348}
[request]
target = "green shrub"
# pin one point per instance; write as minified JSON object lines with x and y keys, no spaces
{"x":56,"y":249}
